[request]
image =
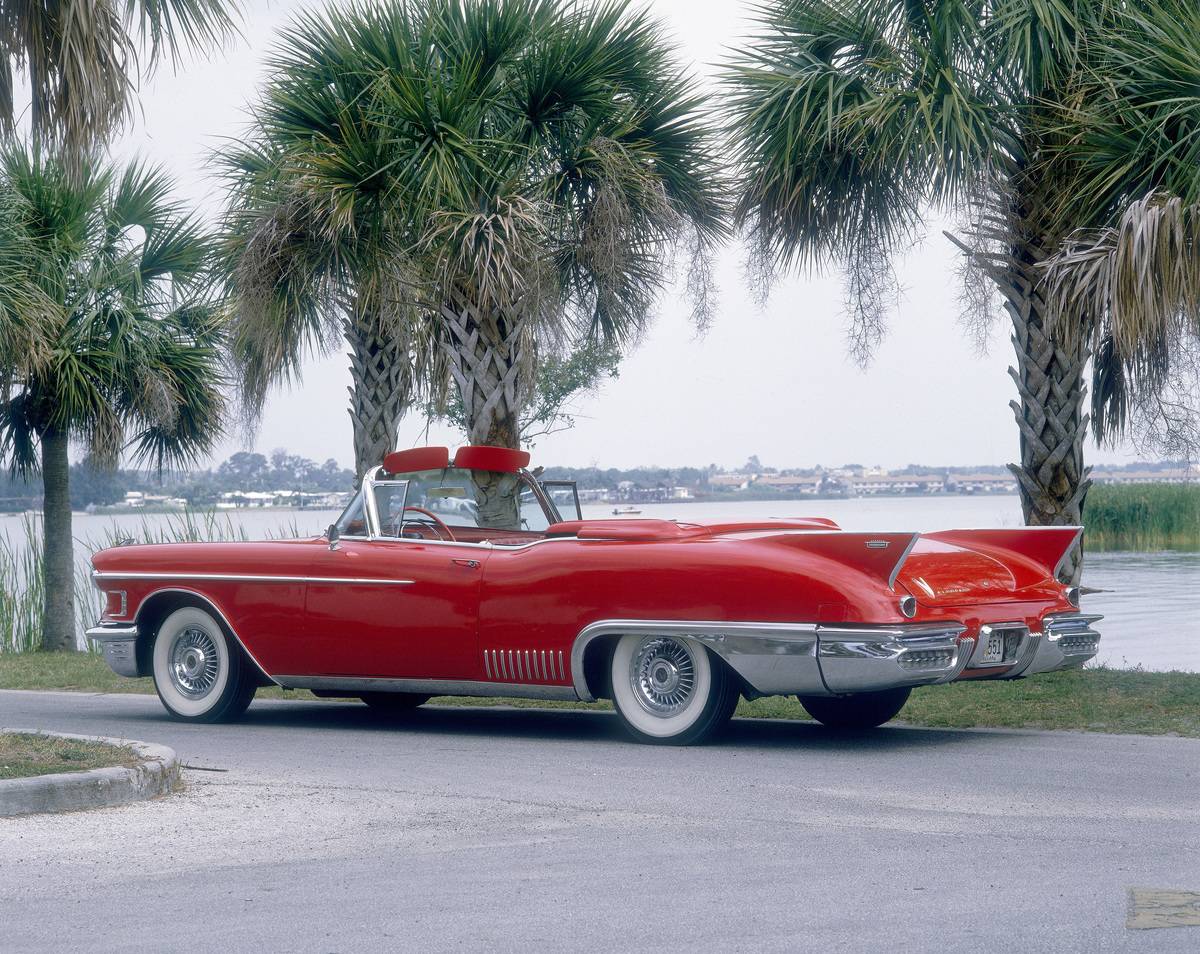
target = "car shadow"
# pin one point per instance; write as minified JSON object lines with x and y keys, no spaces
{"x":574,"y":725}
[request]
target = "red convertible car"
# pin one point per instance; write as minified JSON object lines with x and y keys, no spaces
{"x":469,"y":576}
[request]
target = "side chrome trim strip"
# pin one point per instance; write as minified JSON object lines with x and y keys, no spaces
{"x":432,"y":687}
{"x":243,"y":577}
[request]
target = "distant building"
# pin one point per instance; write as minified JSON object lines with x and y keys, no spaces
{"x":981,"y":484}
{"x":1179,"y":475}
{"x":895,"y":484}
{"x":730,"y":481}
{"x":805,"y":486}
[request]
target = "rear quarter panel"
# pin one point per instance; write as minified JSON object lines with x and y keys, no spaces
{"x":541,"y":596}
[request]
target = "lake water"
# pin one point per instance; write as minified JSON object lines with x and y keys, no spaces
{"x":1149,"y":600}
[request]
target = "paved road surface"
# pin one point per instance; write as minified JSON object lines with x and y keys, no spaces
{"x":502,"y":830}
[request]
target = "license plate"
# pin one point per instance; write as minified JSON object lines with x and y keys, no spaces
{"x":994,"y":650}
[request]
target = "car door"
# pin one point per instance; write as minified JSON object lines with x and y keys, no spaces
{"x":393,"y":608}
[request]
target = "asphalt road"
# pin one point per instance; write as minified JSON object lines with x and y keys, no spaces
{"x":523,"y":830}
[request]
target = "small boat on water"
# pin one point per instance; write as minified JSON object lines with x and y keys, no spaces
{"x":625,"y":511}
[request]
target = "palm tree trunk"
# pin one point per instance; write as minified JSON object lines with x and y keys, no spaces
{"x":1051,"y":476}
{"x":379,"y":399}
{"x":58,"y":612}
{"x":488,"y":366}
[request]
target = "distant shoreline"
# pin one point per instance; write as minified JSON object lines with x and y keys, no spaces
{"x":113,"y":511}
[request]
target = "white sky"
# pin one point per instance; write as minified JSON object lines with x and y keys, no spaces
{"x":773,"y":382}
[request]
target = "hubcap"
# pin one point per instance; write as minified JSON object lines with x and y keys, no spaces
{"x":194,"y":663}
{"x":663,"y":675}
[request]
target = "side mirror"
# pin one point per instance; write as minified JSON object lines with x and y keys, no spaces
{"x":334,"y":534}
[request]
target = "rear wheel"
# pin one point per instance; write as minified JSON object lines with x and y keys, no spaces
{"x":862,"y":710}
{"x":393,"y":702}
{"x":199,"y":671}
{"x":670,"y":691}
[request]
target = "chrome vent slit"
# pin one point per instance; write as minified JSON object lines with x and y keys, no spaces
{"x":524,"y":665}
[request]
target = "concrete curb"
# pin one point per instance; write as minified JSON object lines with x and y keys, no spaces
{"x":156,"y":774}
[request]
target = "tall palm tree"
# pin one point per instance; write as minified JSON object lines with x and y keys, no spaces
{"x":517,"y":174}
{"x":130,"y":358}
{"x":83,"y":59}
{"x":851,"y":119}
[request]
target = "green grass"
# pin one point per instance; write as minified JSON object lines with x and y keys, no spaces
{"x":1091,"y":700}
{"x":1143,"y":517}
{"x":23,"y":755}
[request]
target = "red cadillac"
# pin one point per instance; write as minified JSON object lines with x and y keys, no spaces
{"x":469,"y":576}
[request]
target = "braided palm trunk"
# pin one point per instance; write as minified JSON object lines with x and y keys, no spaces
{"x":58,"y":607}
{"x":382,"y":373}
{"x":1051,"y":476}
{"x":488,"y":366}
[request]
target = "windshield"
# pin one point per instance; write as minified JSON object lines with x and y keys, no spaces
{"x":481,"y":499}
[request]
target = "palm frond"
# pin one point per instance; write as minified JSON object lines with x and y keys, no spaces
{"x":83,"y":59}
{"x":134,"y":334}
{"x":1139,"y":281}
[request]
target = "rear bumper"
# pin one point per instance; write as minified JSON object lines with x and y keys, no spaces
{"x":871,"y":658}
{"x":119,"y":645}
{"x":1067,"y":641}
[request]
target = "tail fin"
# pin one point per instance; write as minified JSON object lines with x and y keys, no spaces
{"x":1041,"y":549}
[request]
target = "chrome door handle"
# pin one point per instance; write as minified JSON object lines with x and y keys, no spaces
{"x":469,"y":564}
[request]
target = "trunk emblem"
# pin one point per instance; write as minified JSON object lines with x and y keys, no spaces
{"x":877,"y":544}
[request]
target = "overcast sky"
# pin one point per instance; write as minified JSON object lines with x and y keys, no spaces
{"x":775,"y":382}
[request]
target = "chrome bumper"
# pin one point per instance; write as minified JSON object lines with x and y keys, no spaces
{"x":119,"y":644}
{"x":870,"y":658}
{"x":1067,"y":641}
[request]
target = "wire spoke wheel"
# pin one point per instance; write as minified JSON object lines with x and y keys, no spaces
{"x":663,"y":676}
{"x":199,"y":671}
{"x":669,"y":689}
{"x":195,"y":663}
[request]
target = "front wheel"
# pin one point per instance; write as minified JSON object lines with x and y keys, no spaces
{"x":199,"y":671}
{"x":670,"y":691}
{"x":862,"y":710}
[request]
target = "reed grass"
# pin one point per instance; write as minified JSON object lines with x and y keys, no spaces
{"x":1144,"y":517}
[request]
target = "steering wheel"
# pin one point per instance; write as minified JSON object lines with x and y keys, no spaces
{"x":435,"y":521}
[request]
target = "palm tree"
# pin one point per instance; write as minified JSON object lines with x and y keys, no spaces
{"x":851,"y":119}
{"x":82,"y":60}
{"x":130,"y":354}
{"x":503,"y":178}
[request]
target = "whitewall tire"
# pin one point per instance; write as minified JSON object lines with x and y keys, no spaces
{"x":669,"y":690}
{"x":199,"y":671}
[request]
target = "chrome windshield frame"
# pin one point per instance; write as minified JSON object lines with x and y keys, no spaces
{"x":376,"y":477}
{"x":374,"y":524}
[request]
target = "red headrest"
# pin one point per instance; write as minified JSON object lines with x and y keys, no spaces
{"x":483,"y":457}
{"x":419,"y":458}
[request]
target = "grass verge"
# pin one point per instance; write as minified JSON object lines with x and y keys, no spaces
{"x":23,"y":755}
{"x":1092,"y":700}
